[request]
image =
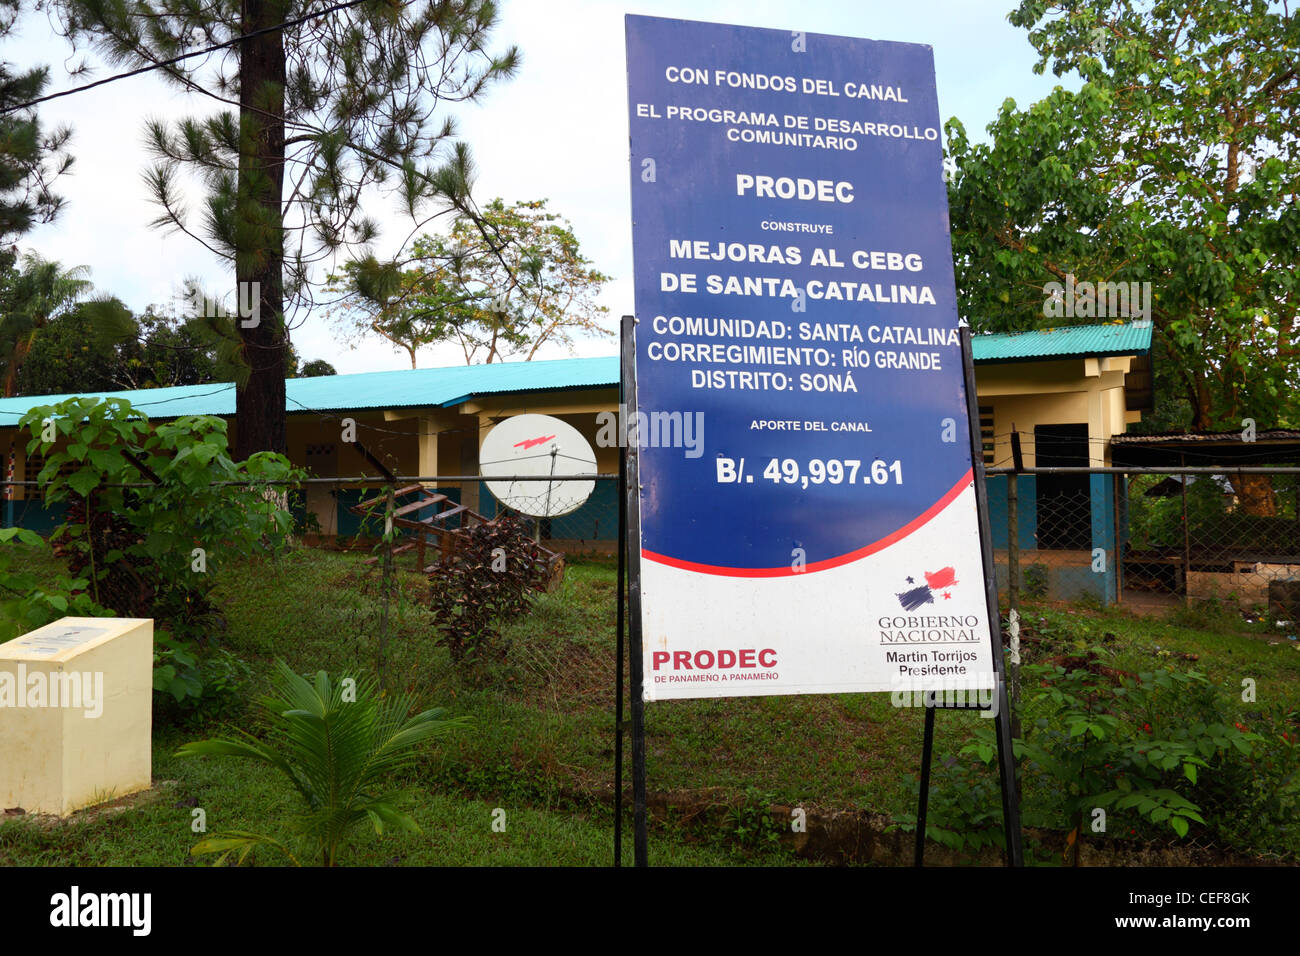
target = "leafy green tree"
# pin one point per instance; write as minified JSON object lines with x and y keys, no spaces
{"x":316,"y":368}
{"x":1175,"y":163}
{"x":148,"y":552}
{"x":338,"y":743}
{"x":82,"y":349}
{"x":64,"y":358}
{"x":30,"y":157}
{"x":36,"y":294}
{"x":320,"y":109}
{"x":166,"y":350}
{"x":100,"y":346}
{"x":501,"y":285}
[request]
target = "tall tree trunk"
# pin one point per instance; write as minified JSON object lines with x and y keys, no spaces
{"x":1201,"y":411}
{"x":16,"y":359}
{"x":259,"y":256}
{"x":1255,"y":492}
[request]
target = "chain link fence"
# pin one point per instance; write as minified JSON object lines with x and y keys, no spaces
{"x":341,"y":513}
{"x":1213,"y":537}
{"x":1103,"y":535}
{"x":1151,"y":537}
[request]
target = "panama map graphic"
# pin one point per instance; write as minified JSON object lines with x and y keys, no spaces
{"x":942,"y":581}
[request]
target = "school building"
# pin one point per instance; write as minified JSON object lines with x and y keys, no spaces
{"x":1068,"y":392}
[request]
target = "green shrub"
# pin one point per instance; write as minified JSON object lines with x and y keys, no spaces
{"x":193,"y":684}
{"x":338,"y":744}
{"x":27,"y":599}
{"x":496,"y":572}
{"x":1157,"y":523}
{"x":751,"y":825}
{"x":1212,"y":523}
{"x":1147,"y":751}
{"x":964,"y":812}
{"x":1252,"y":801}
{"x":1035,"y":580}
{"x":1208,"y":614}
{"x":146,"y":552}
{"x":150,"y":551}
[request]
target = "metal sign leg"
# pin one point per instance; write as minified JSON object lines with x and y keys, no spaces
{"x":631,"y":500}
{"x":620,"y":655}
{"x":927,"y":751}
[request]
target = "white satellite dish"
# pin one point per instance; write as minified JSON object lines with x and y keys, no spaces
{"x":537,"y":445}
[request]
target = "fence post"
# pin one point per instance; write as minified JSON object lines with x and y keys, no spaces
{"x":387,"y":579}
{"x":1116,"y":482}
{"x":1013,"y":580}
{"x":1187,"y":544}
{"x":7,"y":519}
{"x":1013,"y":543}
{"x":1013,"y":600}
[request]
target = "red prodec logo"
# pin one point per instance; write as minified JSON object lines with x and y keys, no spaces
{"x":705,"y":665}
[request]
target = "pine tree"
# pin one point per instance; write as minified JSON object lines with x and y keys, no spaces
{"x":30,"y":158}
{"x":317,"y":111}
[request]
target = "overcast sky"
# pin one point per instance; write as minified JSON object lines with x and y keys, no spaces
{"x":557,"y":131}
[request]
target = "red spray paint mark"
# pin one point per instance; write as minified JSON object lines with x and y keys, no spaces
{"x":944,"y":578}
{"x":528,"y":443}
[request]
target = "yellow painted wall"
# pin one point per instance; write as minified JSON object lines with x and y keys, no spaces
{"x":1070,"y":391}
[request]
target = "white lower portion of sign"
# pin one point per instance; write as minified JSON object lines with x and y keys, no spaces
{"x":911,"y":617}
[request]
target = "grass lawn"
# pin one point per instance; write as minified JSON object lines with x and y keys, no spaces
{"x":541,"y":747}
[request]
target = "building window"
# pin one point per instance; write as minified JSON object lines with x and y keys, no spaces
{"x":32,"y":467}
{"x":986,"y":432}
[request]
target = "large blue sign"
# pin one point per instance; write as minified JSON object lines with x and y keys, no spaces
{"x":798,"y":359}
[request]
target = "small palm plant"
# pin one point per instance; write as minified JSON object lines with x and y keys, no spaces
{"x":338,"y":743}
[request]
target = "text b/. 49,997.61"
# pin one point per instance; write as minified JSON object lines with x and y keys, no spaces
{"x":816,"y":471}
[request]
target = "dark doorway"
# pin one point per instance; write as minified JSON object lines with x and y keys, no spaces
{"x":1064,"y":505}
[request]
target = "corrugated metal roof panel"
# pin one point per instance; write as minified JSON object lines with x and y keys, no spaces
{"x":443,"y":386}
{"x":1275,"y":434}
{"x":1078,"y":340}
{"x":215,"y":398}
{"x":402,"y":389}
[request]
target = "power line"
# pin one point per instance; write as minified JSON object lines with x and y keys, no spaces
{"x":275,"y":28}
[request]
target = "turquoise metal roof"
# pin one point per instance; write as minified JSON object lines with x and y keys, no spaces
{"x":406,"y":388}
{"x":212,"y":399}
{"x":449,"y":386}
{"x":1075,"y":340}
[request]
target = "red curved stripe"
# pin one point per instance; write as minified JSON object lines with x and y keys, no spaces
{"x":921,"y":519}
